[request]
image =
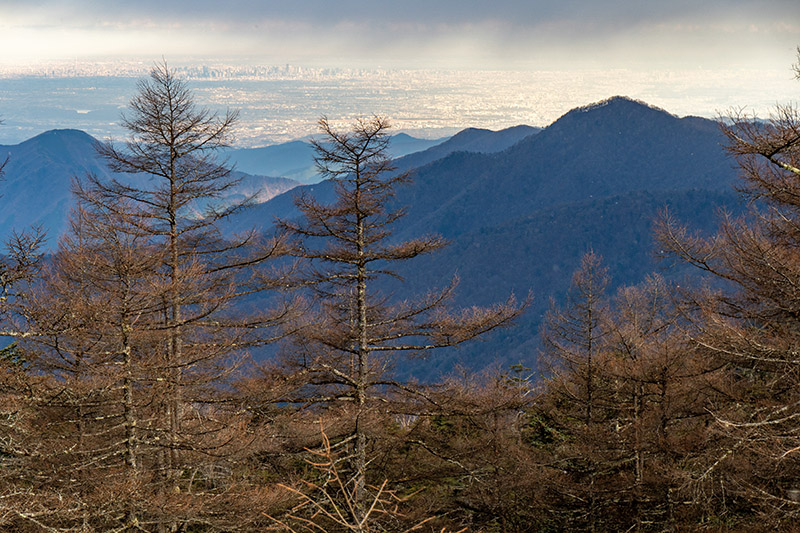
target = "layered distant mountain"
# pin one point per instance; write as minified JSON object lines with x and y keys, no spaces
{"x":473,"y":140}
{"x":39,"y":173}
{"x":468,"y":141}
{"x":295,"y":159}
{"x":38,"y":177}
{"x":520,"y":219}
{"x":519,"y":206}
{"x":36,"y":190}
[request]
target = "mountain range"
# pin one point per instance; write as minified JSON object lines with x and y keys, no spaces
{"x":295,"y":159}
{"x":519,"y":206}
{"x":36,"y":191}
{"x":519,"y":219}
{"x":50,"y":161}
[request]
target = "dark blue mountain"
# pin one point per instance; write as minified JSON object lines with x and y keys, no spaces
{"x":519,"y":206}
{"x":519,"y":220}
{"x":472,"y":140}
{"x":38,"y":177}
{"x":36,"y":191}
{"x":606,"y":149}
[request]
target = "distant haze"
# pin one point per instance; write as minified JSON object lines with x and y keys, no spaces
{"x":284,"y":106}
{"x":532,"y":34}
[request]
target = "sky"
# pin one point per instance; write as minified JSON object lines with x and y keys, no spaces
{"x":451,"y":34}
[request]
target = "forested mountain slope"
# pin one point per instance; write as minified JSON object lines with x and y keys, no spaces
{"x":38,"y":178}
{"x":519,"y":220}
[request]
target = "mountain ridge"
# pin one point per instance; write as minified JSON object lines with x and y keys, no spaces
{"x":37,"y":181}
{"x":621,"y":146}
{"x":520,"y":219}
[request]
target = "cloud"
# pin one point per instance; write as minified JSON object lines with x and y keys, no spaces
{"x":609,"y":15}
{"x":414,"y":32}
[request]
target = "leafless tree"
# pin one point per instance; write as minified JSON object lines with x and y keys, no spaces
{"x":136,"y":324}
{"x":345,"y":348}
{"x":573,"y":339}
{"x":579,"y":396}
{"x":750,"y":322}
{"x":664,"y":387}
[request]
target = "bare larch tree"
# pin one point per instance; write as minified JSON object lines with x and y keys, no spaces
{"x":137,"y":320}
{"x":750,"y":323}
{"x":346,"y":347}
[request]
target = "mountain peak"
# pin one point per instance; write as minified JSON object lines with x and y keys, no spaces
{"x":62,"y":133}
{"x":59,"y":140}
{"x":470,"y":132}
{"x":615,"y":114}
{"x":619,"y":103}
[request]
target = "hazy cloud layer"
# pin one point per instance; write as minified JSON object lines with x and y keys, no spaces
{"x":439,"y":33}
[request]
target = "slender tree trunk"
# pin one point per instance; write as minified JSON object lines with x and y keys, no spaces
{"x":81,"y":428}
{"x":363,"y":354}
{"x":592,"y":503}
{"x":175,"y":347}
{"x":638,"y":457}
{"x":589,"y":404}
{"x":669,"y":524}
{"x":589,"y":368}
{"x":131,"y":457}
